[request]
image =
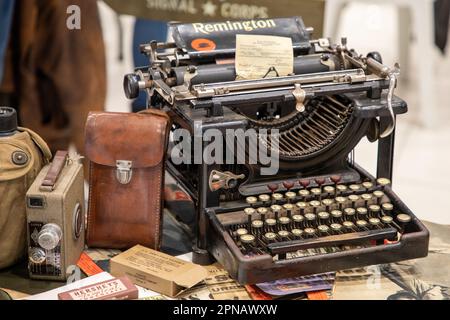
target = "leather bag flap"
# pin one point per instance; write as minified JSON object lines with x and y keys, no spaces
{"x":136,"y":137}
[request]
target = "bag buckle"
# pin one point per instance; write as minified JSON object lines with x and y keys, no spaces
{"x":124,"y":171}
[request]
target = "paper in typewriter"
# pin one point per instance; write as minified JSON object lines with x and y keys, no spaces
{"x":257,"y":54}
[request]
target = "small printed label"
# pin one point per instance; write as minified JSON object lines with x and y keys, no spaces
{"x":98,"y":291}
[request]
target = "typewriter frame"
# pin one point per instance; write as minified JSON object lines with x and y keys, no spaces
{"x":212,"y":241}
{"x":197,"y":107}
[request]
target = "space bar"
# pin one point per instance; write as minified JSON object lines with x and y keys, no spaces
{"x":352,"y":238}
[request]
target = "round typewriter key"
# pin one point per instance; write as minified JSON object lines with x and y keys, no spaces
{"x":383,"y":181}
{"x":379,"y":195}
{"x":270,"y":222}
{"x":353,"y":198}
{"x":241,"y":231}
{"x":336,"y":227}
{"x":270,"y":236}
{"x":257,"y":224}
{"x":297,"y":232}
{"x":327,"y":203}
{"x":247,"y":238}
{"x":316,"y":192}
{"x":262,"y":212}
{"x":387,"y":207}
{"x":323,"y":228}
{"x":290,"y":196}
{"x":361,"y":223}
{"x":366,"y":197}
{"x":403,"y":218}
{"x":309,"y":231}
{"x":323,"y":216}
{"x":298,"y":219}
{"x":315,"y":204}
{"x":349,"y":213}
{"x":337,"y":215}
{"x":355,"y":187}
{"x":251,"y":200}
{"x":275,"y":207}
{"x":341,"y":188}
{"x":304,"y":193}
{"x":276,"y":210}
{"x":249,"y":212}
{"x":284,"y":220}
{"x":374,"y":222}
{"x":301,"y":206}
{"x":387,"y":219}
{"x":289,"y":208}
{"x":367,"y":185}
{"x":340,"y":201}
{"x":277,"y":196}
{"x":374,"y":210}
{"x":328,"y":189}
{"x":310,"y":217}
{"x":283,"y":234}
{"x":348,"y":224}
{"x":264,"y":198}
{"x":362,"y":212}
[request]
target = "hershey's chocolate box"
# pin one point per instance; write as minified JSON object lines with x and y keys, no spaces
{"x":115,"y":289}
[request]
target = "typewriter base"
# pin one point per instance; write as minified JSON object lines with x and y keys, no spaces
{"x":201,"y":257}
{"x":248,"y":270}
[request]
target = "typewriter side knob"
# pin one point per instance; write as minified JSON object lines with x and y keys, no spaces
{"x":131,"y":85}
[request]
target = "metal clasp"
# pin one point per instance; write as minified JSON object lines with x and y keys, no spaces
{"x":124,"y":171}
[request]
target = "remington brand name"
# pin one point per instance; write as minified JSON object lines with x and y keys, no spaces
{"x":248,"y":25}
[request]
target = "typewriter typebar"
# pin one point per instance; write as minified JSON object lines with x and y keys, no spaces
{"x":320,"y":211}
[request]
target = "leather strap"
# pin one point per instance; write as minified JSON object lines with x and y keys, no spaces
{"x":55,"y":170}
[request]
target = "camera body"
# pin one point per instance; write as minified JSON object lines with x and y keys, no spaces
{"x":55,"y":219}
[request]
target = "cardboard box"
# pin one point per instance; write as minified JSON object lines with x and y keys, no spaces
{"x":157,"y":271}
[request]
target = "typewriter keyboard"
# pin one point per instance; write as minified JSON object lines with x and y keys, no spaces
{"x":320,"y":216}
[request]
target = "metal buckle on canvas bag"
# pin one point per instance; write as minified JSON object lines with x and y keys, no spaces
{"x":124,"y":171}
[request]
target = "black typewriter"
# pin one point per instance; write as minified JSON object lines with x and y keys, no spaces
{"x":320,"y":211}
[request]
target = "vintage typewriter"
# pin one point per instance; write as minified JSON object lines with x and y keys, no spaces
{"x":320,"y":212}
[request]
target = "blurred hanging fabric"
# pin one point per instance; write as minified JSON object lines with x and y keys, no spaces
{"x":441,"y":20}
{"x":55,"y":74}
{"x":6,"y":15}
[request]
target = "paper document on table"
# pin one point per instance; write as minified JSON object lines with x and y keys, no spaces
{"x":263,"y":56}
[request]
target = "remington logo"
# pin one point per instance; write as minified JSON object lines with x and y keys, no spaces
{"x":248,"y":25}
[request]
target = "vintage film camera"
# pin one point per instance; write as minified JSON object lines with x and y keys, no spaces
{"x":321,"y":211}
{"x":55,"y":218}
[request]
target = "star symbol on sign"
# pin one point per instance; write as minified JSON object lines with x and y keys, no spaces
{"x":209,"y":9}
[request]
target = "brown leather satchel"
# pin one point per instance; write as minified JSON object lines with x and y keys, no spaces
{"x":126,"y":178}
